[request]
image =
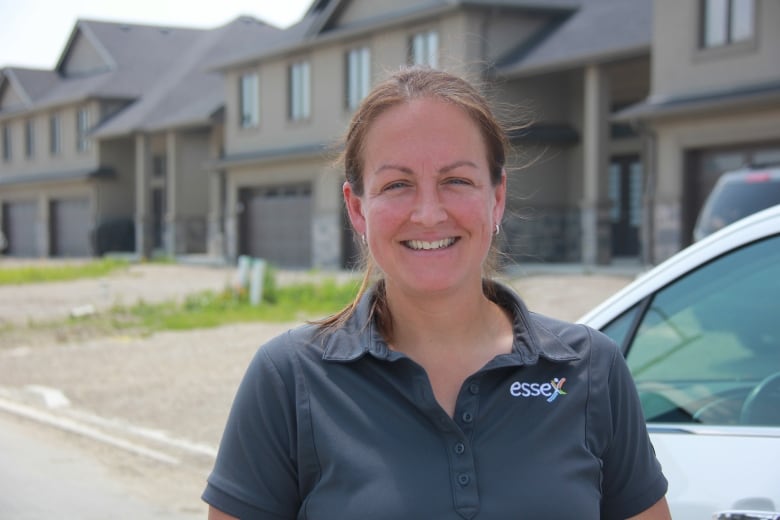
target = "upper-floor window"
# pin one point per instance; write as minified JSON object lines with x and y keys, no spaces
{"x":424,"y":49}
{"x":726,"y":22}
{"x":300,"y":91}
{"x":358,"y":76}
{"x":6,"y":142}
{"x":29,"y":138}
{"x":55,"y":135}
{"x":249,"y":101}
{"x":82,"y":130}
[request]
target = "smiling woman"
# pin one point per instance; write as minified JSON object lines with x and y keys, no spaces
{"x":436,"y":393}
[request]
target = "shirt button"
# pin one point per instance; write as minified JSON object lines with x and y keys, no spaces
{"x":474,"y":388}
{"x":463,"y":479}
{"x":467,"y":417}
{"x":459,"y":448}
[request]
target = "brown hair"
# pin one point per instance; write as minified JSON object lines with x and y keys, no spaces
{"x":405,"y":85}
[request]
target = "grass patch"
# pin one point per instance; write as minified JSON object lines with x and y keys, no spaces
{"x":59,"y":273}
{"x":296,"y":302}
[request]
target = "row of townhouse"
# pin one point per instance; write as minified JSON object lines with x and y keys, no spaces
{"x":181,"y":141}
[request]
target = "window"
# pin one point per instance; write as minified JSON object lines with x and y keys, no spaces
{"x":55,"y":135}
{"x":6,"y":143}
{"x":159,"y":166}
{"x":424,"y":49}
{"x":727,"y":21}
{"x":358,"y":76}
{"x":704,"y":343}
{"x":82,"y":130}
{"x":249,"y":95}
{"x":29,"y":138}
{"x":300,"y":91}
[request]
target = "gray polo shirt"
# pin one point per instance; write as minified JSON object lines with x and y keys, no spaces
{"x":339,"y":426}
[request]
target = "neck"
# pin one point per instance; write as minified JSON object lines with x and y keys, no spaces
{"x":443,"y":321}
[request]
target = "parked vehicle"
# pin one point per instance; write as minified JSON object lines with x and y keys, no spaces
{"x":701,"y":335}
{"x":736,"y":195}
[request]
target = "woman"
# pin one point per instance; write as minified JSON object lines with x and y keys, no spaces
{"x":436,"y":394}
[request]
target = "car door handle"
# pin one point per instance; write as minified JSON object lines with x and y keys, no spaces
{"x":746,"y":515}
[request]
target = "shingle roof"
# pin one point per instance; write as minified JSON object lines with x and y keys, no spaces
{"x":136,"y":56}
{"x":189,"y":91}
{"x":598,"y":30}
{"x":31,"y":84}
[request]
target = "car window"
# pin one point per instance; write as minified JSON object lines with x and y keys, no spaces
{"x":736,"y":200}
{"x":706,"y":342}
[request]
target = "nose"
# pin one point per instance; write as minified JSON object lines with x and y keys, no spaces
{"x":428,"y":208}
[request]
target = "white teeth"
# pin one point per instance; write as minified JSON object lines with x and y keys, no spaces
{"x":422,"y":245}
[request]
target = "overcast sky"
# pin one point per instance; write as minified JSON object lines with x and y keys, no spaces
{"x":33,"y":33}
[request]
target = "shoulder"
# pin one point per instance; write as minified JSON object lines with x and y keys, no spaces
{"x":579,"y":337}
{"x":284,"y":352}
{"x":554,"y":339}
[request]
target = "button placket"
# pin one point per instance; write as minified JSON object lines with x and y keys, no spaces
{"x":462,"y":463}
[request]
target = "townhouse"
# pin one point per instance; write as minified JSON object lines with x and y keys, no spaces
{"x":713,"y":106}
{"x":287,"y":106}
{"x":104,"y":152}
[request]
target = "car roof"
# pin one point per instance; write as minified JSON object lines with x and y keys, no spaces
{"x":773,"y":172}
{"x":759,"y":225}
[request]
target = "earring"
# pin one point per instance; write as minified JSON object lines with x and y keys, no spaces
{"x":363,"y":239}
{"x":498,"y":229}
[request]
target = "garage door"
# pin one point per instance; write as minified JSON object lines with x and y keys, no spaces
{"x":276,"y":224}
{"x":19,"y":228}
{"x":69,"y":227}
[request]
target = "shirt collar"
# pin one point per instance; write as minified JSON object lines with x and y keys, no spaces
{"x":360,"y":335}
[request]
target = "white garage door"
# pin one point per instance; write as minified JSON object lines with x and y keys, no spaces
{"x":70,"y":227}
{"x":276,"y":224}
{"x":19,"y":228}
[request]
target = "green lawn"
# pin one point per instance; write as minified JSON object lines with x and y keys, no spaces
{"x":59,"y":273}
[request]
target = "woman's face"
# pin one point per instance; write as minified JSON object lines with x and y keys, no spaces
{"x":429,"y":209}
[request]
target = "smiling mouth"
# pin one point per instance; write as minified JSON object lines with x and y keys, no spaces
{"x":421,"y":245}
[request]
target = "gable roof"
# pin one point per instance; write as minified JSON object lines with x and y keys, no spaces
{"x":28,"y":85}
{"x":190,"y":92}
{"x":597,"y":31}
{"x":135,"y":57}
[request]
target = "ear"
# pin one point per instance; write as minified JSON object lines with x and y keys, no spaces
{"x":500,"y":200}
{"x":354,"y":206}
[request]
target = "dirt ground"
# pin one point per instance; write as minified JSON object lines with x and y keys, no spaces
{"x":170,"y":393}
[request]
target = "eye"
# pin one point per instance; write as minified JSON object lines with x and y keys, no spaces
{"x":458,"y":181}
{"x":395,"y":185}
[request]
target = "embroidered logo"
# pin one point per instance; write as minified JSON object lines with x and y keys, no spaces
{"x":549,"y":390}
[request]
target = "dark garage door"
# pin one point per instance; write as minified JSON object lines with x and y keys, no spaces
{"x":70,"y":227}
{"x":19,"y":228}
{"x":276,"y":224}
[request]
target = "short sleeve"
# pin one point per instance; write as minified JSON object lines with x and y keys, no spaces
{"x":255,"y":476}
{"x":632,"y":478}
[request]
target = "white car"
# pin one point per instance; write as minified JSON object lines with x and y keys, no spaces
{"x":701,"y":335}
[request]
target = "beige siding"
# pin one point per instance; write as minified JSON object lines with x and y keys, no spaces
{"x":192,"y":178}
{"x":680,"y":66}
{"x":117,"y":195}
{"x":10,"y":99}
{"x":362,"y":10}
{"x":83,"y":58}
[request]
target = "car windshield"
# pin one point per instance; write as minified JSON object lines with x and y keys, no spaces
{"x":706,"y":341}
{"x":738,"y":199}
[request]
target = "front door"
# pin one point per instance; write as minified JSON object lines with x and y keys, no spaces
{"x":625,"y":193}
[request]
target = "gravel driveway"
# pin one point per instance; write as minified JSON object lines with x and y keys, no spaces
{"x":170,"y":393}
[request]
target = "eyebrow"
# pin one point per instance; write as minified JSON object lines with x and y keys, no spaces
{"x":408,"y":171}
